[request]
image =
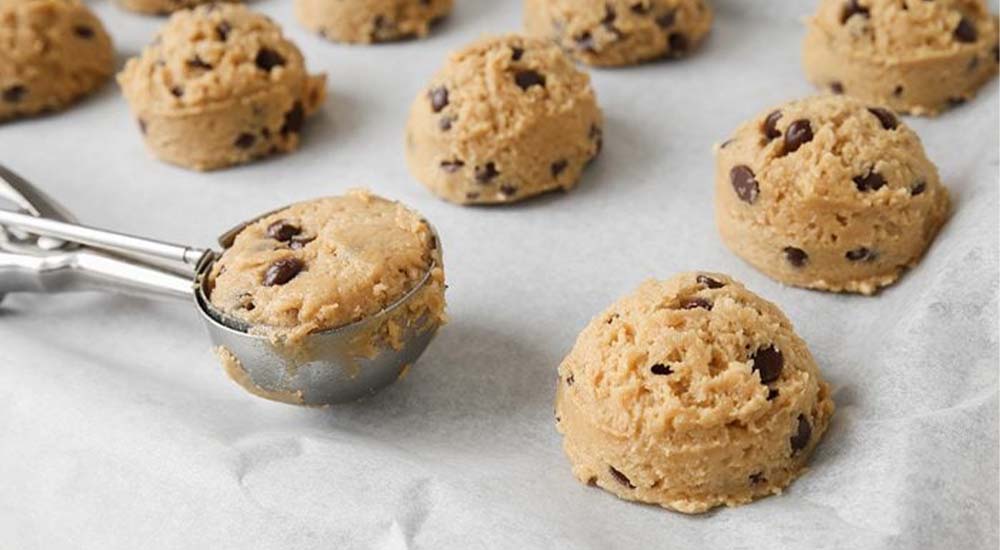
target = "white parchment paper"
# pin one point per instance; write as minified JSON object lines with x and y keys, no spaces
{"x":119,"y":430}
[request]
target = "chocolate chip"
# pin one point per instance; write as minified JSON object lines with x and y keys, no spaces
{"x":528,"y":78}
{"x":744,"y":183}
{"x":837,"y":87}
{"x":244,"y":141}
{"x":768,"y":362}
{"x":709,"y":282}
{"x":666,"y":20}
{"x":268,"y":59}
{"x":283,"y":230}
{"x":83,"y":31}
{"x":771,"y":125}
{"x":176,"y":91}
{"x":862,"y":254}
{"x":772,"y":393}
{"x":796,"y":256}
{"x":871,"y":181}
{"x":438,"y":97}
{"x":596,"y":134}
{"x":557,"y":167}
{"x":471,"y":195}
{"x":757,"y":478}
{"x":678,"y":42}
{"x":508,"y":190}
{"x":802,"y":434}
{"x":222,"y":30}
{"x":486,"y":173}
{"x":516,"y":53}
{"x":142,"y":125}
{"x":609,"y":15}
{"x":620,"y":477}
{"x":897,"y":91}
{"x":996,"y":53}
{"x":885,"y":116}
{"x":660,"y":369}
{"x":282,"y":271}
{"x":451,"y":166}
{"x":852,"y":8}
{"x":14,"y":93}
{"x":584,"y":42}
{"x":798,"y":134}
{"x":294,"y":119}
{"x":444,"y":123}
{"x":956,"y":101}
{"x":197,"y":63}
{"x":695,"y":303}
{"x":639,"y":9}
{"x":965,"y":31}
{"x":918,"y":188}
{"x":570,"y":380}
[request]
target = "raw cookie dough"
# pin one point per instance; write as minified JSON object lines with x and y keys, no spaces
{"x":691,"y":393}
{"x":620,"y":32}
{"x":219,"y":86}
{"x":505,"y":119}
{"x":828,"y":193}
{"x":913,"y":56}
{"x":368,"y":21}
{"x":163,"y":7}
{"x":325,"y":263}
{"x":52,"y":52}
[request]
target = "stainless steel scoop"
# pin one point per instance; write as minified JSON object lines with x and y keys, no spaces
{"x":42,"y":249}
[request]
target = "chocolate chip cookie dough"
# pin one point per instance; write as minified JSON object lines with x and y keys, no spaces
{"x":507,"y":118}
{"x":620,"y":32}
{"x":163,"y":7}
{"x":913,"y":56}
{"x":52,"y":52}
{"x":691,"y":393}
{"x":368,"y":21}
{"x":219,"y":86}
{"x":828,"y":193}
{"x":329,"y":262}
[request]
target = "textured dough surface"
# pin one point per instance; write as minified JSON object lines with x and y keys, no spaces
{"x":220,"y":85}
{"x":368,"y":21}
{"x":691,"y":393}
{"x":620,"y":32}
{"x":847,"y":210}
{"x":913,"y":56}
{"x":52,"y":52}
{"x":163,"y":7}
{"x":350,"y":257}
{"x":507,"y":118}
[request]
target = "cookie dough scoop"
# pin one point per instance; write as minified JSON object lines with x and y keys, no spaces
{"x":322,"y":302}
{"x":691,"y":393}
{"x":371,"y":21}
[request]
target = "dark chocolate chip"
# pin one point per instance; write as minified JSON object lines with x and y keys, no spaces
{"x":245,"y":141}
{"x":268,"y":59}
{"x":472,"y":195}
{"x":744,"y":183}
{"x":757,"y":478}
{"x":14,"y":93}
{"x":798,"y":134}
{"x":584,"y":42}
{"x":142,"y":125}
{"x":83,"y":31}
{"x":956,"y":101}
{"x":451,"y":166}
{"x":176,"y":91}
{"x":966,"y":31}
{"x":660,"y":369}
{"x":282,"y":271}
{"x":695,"y":303}
{"x":570,"y":380}
{"x":516,"y":53}
{"x":768,"y":362}
{"x":796,"y":256}
{"x":528,"y":78}
{"x":222,"y":30}
{"x":486,"y":173}
{"x":678,"y":42}
{"x":444,"y":123}
{"x":557,"y":167}
{"x":666,"y":20}
{"x":197,"y":63}
{"x":871,"y":181}
{"x":438,"y":97}
{"x":639,"y":9}
{"x":897,"y":91}
{"x":283,"y":230}
{"x":851,"y":8}
{"x":294,"y":119}
{"x":772,"y":393}
{"x":862,"y":254}
{"x":508,"y":190}
{"x":800,"y":439}
{"x":609,"y":15}
{"x":837,"y":87}
{"x":885,"y":116}
{"x":620,"y":477}
{"x":918,"y":188}
{"x":709,"y":282}
{"x":771,"y":125}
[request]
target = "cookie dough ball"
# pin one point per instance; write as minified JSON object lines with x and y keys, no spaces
{"x":828,"y":193}
{"x":163,"y":7}
{"x":368,"y":21}
{"x":52,"y":52}
{"x":219,"y":86}
{"x":620,"y":32}
{"x":913,"y":56}
{"x":325,"y":263}
{"x":505,"y":119}
{"x":691,"y":393}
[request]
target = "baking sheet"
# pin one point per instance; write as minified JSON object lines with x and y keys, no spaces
{"x":118,"y":429}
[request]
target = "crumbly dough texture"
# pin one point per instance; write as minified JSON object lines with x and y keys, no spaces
{"x":507,"y":118}
{"x":848,"y":209}
{"x":620,"y":32}
{"x":220,"y":85}
{"x":913,"y":56}
{"x":691,"y":393}
{"x":368,"y":21}
{"x":52,"y":53}
{"x":325,"y":263}
{"x":163,"y":7}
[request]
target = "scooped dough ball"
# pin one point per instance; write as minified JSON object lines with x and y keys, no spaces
{"x":828,"y":193}
{"x":691,"y":393}
{"x":368,"y":21}
{"x":219,"y":86}
{"x":913,"y":56}
{"x":507,"y":118}
{"x":52,"y":52}
{"x":620,"y":32}
{"x":163,"y":7}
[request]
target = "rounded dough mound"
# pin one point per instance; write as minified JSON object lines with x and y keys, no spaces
{"x":328,"y":262}
{"x":913,"y":56}
{"x":828,"y":193}
{"x":620,"y":32}
{"x":691,"y":393}
{"x":163,"y":7}
{"x":220,"y":85}
{"x":507,"y":118}
{"x":369,"y":21}
{"x":52,"y":53}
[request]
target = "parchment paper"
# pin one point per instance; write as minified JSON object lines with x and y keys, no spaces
{"x":119,"y":430}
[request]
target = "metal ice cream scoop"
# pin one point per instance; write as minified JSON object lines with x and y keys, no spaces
{"x":42,"y":249}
